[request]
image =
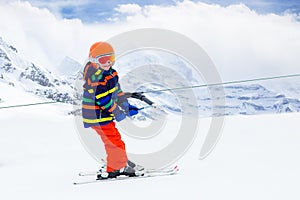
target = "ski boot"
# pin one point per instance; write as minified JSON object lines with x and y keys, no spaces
{"x":126,"y":171}
{"x":102,"y":169}
{"x":136,"y":167}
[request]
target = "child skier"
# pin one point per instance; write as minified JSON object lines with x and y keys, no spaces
{"x":103,"y":102}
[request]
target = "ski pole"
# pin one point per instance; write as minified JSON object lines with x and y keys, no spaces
{"x":145,"y":107}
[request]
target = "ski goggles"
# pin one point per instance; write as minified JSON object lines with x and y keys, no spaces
{"x":106,"y":59}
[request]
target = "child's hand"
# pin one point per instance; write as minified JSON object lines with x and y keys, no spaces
{"x":120,"y":116}
{"x":130,"y":110}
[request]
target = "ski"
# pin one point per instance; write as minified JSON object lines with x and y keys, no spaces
{"x":147,"y":174}
{"x":164,"y":170}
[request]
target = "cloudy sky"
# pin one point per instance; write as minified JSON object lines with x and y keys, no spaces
{"x":90,"y":11}
{"x":245,"y":39}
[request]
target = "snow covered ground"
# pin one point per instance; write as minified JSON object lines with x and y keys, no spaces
{"x":256,"y":158}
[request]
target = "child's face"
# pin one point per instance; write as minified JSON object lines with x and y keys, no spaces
{"x":105,"y":62}
{"x":105,"y":67}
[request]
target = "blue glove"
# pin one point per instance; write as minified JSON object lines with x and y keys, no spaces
{"x":132,"y":110}
{"x":120,"y":116}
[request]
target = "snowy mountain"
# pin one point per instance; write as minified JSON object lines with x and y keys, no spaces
{"x":239,"y":100}
{"x":145,"y":71}
{"x":164,"y":70}
{"x":253,"y":99}
{"x":68,"y":68}
{"x":26,"y":77}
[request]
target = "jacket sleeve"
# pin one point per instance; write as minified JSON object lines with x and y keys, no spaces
{"x":122,"y":99}
{"x":91,"y":75}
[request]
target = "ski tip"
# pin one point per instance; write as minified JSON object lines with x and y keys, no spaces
{"x":82,"y":174}
{"x":176,"y":169}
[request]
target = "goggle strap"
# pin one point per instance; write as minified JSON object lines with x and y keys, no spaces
{"x":107,"y":54}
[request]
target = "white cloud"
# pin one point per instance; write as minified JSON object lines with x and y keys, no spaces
{"x":242,"y":43}
{"x":39,"y":35}
{"x":128,"y":8}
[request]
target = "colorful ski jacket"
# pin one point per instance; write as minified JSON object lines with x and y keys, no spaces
{"x":102,"y":96}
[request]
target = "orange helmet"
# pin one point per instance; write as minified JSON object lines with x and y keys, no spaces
{"x":102,"y":53}
{"x":100,"y":48}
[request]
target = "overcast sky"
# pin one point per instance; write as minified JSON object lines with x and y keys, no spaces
{"x":247,"y":40}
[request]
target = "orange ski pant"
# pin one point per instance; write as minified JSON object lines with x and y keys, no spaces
{"x":114,"y":146}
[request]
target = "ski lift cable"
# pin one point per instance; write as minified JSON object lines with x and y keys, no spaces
{"x":223,"y":83}
{"x":140,"y":96}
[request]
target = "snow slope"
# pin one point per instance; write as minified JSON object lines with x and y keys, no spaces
{"x":256,"y":158}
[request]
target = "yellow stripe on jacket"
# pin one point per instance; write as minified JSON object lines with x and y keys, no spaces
{"x":106,"y":93}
